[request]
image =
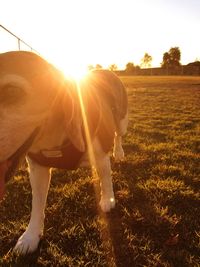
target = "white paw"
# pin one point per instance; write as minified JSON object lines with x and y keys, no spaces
{"x":27,"y":243}
{"x":107,"y":204}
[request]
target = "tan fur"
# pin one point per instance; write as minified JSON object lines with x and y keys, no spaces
{"x":45,"y":99}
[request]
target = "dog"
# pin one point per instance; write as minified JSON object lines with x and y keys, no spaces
{"x":56,"y":122}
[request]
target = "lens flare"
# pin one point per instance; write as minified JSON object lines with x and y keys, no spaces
{"x":106,"y":236}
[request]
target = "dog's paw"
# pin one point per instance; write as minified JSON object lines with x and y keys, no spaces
{"x":107,"y":204}
{"x":27,"y":243}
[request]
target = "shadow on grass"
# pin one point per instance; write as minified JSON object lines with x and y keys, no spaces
{"x":135,"y":228}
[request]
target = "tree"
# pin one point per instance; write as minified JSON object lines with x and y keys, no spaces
{"x":113,"y":67}
{"x":130,"y":68}
{"x":175,"y":55}
{"x":166,"y":60}
{"x":171,"y":58}
{"x":90,"y":67}
{"x":194,"y":64}
{"x":146,"y":61}
{"x":98,"y":67}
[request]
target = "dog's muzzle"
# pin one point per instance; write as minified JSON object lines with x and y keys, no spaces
{"x":9,"y":166}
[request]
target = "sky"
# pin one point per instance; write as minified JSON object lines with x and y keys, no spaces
{"x":73,"y":34}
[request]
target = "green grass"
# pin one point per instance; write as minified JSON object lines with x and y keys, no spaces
{"x":156,"y":219}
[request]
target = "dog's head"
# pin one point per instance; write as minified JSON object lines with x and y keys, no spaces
{"x":29,"y":88}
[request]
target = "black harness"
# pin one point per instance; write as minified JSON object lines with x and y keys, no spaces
{"x":66,"y":157}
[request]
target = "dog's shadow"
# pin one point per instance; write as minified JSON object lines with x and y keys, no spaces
{"x":27,"y":260}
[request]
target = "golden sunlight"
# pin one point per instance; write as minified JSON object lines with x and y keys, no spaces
{"x":70,"y":66}
{"x":76,"y":73}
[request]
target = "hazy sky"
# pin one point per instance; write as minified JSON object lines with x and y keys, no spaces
{"x":75,"y":33}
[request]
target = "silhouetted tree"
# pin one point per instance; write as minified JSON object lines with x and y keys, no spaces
{"x":98,"y":66}
{"x":146,"y":61}
{"x":172,"y":58}
{"x":90,"y":67}
{"x":113,"y":67}
{"x":130,"y":68}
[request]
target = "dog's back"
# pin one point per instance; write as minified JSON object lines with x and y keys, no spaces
{"x":107,"y":106}
{"x":111,"y":90}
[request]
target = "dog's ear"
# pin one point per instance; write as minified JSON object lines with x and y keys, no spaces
{"x":73,"y":118}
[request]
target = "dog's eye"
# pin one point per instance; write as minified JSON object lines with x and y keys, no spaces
{"x":11,"y":95}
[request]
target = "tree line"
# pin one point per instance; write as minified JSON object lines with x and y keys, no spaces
{"x":170,"y":60}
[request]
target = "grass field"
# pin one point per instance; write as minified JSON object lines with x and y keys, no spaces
{"x":156,"y":221}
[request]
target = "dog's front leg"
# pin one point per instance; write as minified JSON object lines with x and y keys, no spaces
{"x":39,"y":179}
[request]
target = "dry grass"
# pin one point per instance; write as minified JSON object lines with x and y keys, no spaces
{"x":156,"y":219}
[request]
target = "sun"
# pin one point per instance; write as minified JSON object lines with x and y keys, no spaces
{"x":69,"y":65}
{"x":77,"y":73}
{"x":74,"y":71}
